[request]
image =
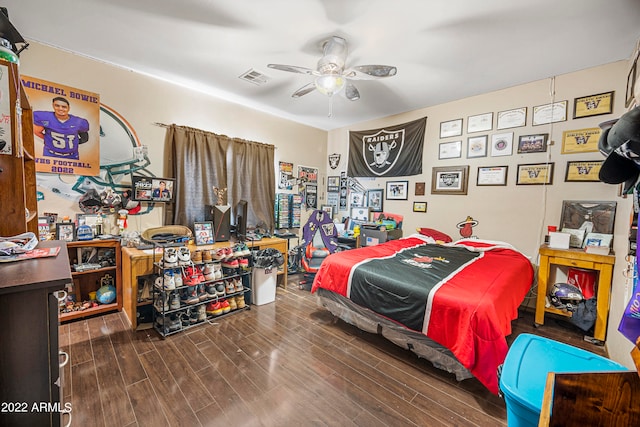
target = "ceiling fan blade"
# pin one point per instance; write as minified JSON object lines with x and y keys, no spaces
{"x":351,"y":92}
{"x":309,"y":87}
{"x":369,"y":72}
{"x":292,"y":69}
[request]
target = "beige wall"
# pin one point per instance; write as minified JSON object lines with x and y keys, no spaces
{"x":515,"y":214}
{"x":144,"y":101}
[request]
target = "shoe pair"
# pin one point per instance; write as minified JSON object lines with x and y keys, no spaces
{"x":231,"y":263}
{"x":240,"y":250}
{"x":240,"y":301}
{"x":190,"y":295}
{"x":165,"y":282}
{"x":212,"y":271}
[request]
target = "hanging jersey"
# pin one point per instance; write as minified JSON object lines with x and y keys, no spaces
{"x":60,"y":138}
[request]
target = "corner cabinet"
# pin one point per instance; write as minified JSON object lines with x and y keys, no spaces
{"x":19,"y":208}
{"x":30,"y":356}
{"x":93,"y":263}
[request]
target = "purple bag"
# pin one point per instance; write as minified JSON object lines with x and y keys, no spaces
{"x":630,"y":323}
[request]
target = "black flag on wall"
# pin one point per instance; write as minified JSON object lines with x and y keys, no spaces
{"x":390,"y":151}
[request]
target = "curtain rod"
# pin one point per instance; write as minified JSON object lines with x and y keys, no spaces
{"x":166,"y":126}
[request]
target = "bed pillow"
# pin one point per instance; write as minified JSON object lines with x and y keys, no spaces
{"x":436,"y":235}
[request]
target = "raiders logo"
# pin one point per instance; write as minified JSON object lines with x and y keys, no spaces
{"x":334,"y":160}
{"x":382,"y":150}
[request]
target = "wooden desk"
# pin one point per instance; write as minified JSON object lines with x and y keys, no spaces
{"x":140,"y":263}
{"x":603,"y":264}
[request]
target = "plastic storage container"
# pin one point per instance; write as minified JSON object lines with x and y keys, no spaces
{"x":263,"y":283}
{"x":525,"y":369}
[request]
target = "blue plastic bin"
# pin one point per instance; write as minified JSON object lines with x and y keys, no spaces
{"x":525,"y":369}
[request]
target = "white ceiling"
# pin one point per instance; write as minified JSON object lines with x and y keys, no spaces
{"x":444,"y":49}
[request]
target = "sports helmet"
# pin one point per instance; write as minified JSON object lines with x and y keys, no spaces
{"x":565,"y":296}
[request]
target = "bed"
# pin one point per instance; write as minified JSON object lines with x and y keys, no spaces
{"x":450,"y":303}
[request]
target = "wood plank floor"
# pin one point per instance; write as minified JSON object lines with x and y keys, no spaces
{"x":282,"y":364}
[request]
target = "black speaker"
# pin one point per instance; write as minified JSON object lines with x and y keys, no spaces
{"x":221,"y":217}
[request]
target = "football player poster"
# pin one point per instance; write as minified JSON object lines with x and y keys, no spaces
{"x":66,"y":127}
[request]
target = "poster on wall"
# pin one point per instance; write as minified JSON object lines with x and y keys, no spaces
{"x":66,"y":127}
{"x":286,"y":176}
{"x":309,"y":174}
{"x":312,"y":196}
{"x":5,"y":110}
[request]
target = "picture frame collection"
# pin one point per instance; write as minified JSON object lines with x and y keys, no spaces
{"x":503,"y":142}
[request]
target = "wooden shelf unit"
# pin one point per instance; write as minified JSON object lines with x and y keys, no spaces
{"x":89,"y":281}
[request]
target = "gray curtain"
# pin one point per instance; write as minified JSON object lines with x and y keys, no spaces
{"x":201,"y":160}
{"x":253,"y":179}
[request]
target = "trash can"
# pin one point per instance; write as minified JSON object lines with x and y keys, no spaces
{"x":524,"y":373}
{"x":584,"y":279}
{"x":265,"y":275}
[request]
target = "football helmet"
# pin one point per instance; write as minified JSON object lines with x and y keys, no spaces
{"x":565,"y":296}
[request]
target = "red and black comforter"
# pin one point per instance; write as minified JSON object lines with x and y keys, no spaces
{"x":462,"y":295}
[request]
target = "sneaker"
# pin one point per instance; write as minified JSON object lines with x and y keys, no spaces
{"x":196,"y":257}
{"x":240,"y":301}
{"x":214,"y":308}
{"x":199,"y":274}
{"x":190,"y":295}
{"x":226,"y":307}
{"x":227,"y":252}
{"x":217,"y":270}
{"x":245,"y":249}
{"x":161,"y":303}
{"x":170,"y":258}
{"x":238,"y":251}
{"x":184,"y":256}
{"x":244,"y":263}
{"x":230,"y":287}
{"x":206,"y":256}
{"x":165,"y":282}
{"x":174,"y":301}
{"x":230,"y":263}
{"x":237,"y":283}
{"x":232,"y":304}
{"x":220,"y":289}
{"x":219,"y":254}
{"x":174,"y":324}
{"x":201,"y":313}
{"x":209,"y":272}
{"x":190,"y":277}
{"x":202,"y":292}
{"x":210,"y":288}
{"x":177,"y":277}
{"x":193,"y":316}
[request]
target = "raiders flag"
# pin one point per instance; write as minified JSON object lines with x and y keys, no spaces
{"x":391,"y":151}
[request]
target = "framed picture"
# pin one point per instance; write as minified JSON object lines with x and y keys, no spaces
{"x":374,"y":199}
{"x":512,"y":118}
{"x":480,"y":123}
{"x":549,"y":113}
{"x":153,"y":189}
{"x":502,"y":144}
{"x":601,"y":215}
{"x":328,"y":209}
{"x":532,"y":143}
{"x":492,"y":175}
{"x":333,"y":184}
{"x":450,"y":150}
{"x":204,"y":234}
{"x":535,"y":174}
{"x":583,"y":171}
{"x":397,"y":190}
{"x":593,"y":105}
{"x":419,"y":206}
{"x":44,"y":229}
{"x":356,"y":198}
{"x":420,"y":186}
{"x":359,"y":214}
{"x":449,"y":180}
{"x":65,"y":231}
{"x":580,"y":141}
{"x":477,"y":146}
{"x":451,"y":128}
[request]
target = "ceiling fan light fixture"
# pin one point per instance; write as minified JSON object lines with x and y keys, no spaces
{"x":330,"y":84}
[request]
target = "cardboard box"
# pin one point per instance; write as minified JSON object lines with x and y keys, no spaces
{"x":559,"y":240}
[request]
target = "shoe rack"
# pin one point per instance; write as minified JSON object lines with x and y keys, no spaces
{"x":186,"y":291}
{"x":19,"y":207}
{"x":94,"y":263}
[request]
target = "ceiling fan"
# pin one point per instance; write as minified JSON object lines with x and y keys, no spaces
{"x":331,"y":76}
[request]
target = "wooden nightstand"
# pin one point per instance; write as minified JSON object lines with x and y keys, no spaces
{"x":603,"y":264}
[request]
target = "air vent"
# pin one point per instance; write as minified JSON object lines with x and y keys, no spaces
{"x":255,"y":77}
